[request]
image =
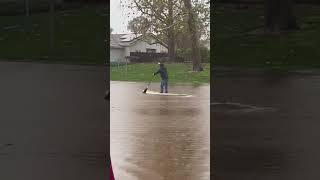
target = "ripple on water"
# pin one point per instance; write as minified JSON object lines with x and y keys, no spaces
{"x":229,"y":107}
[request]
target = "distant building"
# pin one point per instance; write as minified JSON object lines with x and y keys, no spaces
{"x":122,"y":45}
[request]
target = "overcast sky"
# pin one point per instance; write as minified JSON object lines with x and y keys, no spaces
{"x":118,"y":19}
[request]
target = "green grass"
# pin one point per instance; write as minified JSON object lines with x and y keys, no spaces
{"x":178,"y":73}
{"x":79,"y":37}
{"x":236,"y":45}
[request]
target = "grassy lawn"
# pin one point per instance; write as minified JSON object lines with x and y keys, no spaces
{"x":178,"y":73}
{"x":79,"y":36}
{"x":239,"y":43}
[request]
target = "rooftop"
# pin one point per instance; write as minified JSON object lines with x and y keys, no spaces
{"x":122,"y":40}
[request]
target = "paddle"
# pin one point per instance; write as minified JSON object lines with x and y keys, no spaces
{"x":146,"y":89}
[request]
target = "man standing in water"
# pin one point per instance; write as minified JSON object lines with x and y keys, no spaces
{"x":164,"y":77}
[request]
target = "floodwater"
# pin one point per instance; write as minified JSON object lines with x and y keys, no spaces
{"x":53,"y":122}
{"x":266,"y":127}
{"x":156,"y":137}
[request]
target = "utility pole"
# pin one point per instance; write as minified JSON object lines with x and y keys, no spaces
{"x":52,"y":19}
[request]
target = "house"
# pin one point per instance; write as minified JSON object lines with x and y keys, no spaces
{"x":123,"y":45}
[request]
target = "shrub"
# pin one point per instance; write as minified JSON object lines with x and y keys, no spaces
{"x":186,"y":53}
{"x":205,"y":54}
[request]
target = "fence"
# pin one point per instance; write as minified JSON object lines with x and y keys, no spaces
{"x":136,"y":57}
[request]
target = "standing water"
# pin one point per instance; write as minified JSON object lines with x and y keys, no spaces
{"x":156,"y":137}
{"x":266,"y":127}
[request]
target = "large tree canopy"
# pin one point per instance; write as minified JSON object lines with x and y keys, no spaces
{"x":167,"y":19}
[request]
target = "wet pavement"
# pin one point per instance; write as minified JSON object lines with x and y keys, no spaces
{"x":53,"y":122}
{"x":156,"y":137}
{"x":266,"y":127}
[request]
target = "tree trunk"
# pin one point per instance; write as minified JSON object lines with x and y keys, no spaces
{"x":196,"y":58}
{"x":171,"y":35}
{"x":279,"y":16}
{"x":171,"y":46}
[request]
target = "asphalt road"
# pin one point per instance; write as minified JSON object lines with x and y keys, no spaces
{"x":53,"y":122}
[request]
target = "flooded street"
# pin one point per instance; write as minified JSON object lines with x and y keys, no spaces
{"x":156,"y":137}
{"x":53,"y":122}
{"x":266,"y":127}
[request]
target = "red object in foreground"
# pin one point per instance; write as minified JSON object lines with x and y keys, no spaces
{"x":111,"y":172}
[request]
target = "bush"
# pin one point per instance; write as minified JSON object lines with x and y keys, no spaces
{"x":184,"y":53}
{"x":205,"y":54}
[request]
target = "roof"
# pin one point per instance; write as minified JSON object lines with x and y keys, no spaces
{"x":123,"y":40}
{"x":115,"y":40}
{"x":129,"y":37}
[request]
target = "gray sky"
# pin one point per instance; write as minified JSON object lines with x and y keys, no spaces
{"x":118,"y":19}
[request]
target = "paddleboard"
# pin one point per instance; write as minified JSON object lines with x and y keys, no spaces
{"x":166,"y":94}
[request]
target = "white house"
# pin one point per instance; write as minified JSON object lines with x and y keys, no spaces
{"x":121,"y":45}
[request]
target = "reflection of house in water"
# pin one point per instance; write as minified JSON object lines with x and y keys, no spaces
{"x":127,"y":46}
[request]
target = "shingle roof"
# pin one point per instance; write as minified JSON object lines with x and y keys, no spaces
{"x":124,"y":40}
{"x":121,"y":40}
{"x":115,"y":40}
